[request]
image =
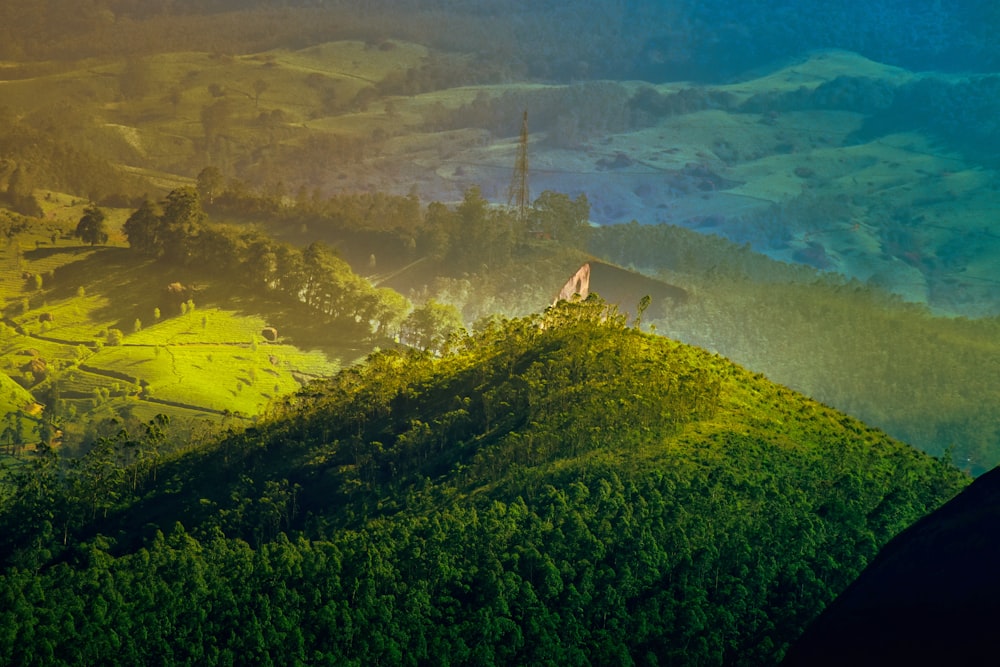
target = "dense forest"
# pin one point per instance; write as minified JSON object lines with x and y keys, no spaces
{"x":560,"y":488}
{"x":628,"y":40}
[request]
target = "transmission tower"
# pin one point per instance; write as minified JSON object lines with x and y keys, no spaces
{"x":517,"y":195}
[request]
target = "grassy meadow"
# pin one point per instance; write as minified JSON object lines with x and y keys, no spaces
{"x":96,"y":336}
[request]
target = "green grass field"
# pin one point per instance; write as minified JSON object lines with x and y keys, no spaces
{"x":81,"y":384}
{"x":219,"y":377}
{"x":203,"y":326}
{"x":77,"y":320}
{"x":209,"y":362}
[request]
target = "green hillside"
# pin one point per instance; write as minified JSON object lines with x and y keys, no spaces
{"x":13,"y":396}
{"x":559,"y":489}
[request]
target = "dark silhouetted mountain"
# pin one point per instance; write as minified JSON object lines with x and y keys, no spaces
{"x":931,"y":597}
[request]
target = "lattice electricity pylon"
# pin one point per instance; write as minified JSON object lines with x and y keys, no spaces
{"x":517,"y":195}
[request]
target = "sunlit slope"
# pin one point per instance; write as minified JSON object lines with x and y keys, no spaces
{"x":561,"y":488}
{"x":927,"y":380}
{"x":96,"y":331}
{"x":13,"y":397}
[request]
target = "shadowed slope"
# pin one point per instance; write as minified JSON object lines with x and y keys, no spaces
{"x":931,"y":597}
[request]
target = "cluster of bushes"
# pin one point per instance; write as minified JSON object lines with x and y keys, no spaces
{"x":459,"y":240}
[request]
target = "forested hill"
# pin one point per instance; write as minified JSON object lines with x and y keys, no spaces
{"x":560,"y":489}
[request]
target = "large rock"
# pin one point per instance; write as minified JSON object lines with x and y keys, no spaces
{"x":577,"y":287}
{"x":622,"y":288}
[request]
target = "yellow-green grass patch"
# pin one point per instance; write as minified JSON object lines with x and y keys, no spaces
{"x":202,"y":326}
{"x":74,"y":321}
{"x":216,"y":377}
{"x":14,"y":397}
{"x":17,"y":350}
{"x":353,"y":59}
{"x":77,"y":383}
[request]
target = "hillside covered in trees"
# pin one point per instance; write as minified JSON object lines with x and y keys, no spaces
{"x":560,"y":488}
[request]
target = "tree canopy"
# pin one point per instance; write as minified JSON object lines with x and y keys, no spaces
{"x":92,"y":227}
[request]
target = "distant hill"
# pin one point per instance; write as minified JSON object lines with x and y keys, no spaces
{"x":931,"y":597}
{"x":560,"y":488}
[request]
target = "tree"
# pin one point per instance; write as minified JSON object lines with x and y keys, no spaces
{"x":259,"y":86}
{"x":430,"y":326}
{"x":566,"y":219}
{"x":21,"y":193}
{"x":473,"y":221}
{"x":92,"y":227}
{"x":435,"y":239}
{"x":641,"y":310}
{"x":260,"y":262}
{"x":142,"y":229}
{"x":209,"y":183}
{"x":289,"y":270}
{"x":100,"y":477}
{"x":385,"y":310}
{"x":220,"y":249}
{"x":182,"y":222}
{"x":328,"y":279}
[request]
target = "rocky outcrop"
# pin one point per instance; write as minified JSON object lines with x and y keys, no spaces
{"x":577,"y":287}
{"x":622,"y":288}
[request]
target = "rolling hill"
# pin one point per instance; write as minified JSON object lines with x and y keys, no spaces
{"x":559,"y":488}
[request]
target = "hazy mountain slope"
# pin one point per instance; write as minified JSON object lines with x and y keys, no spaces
{"x":930,"y":381}
{"x":560,"y":489}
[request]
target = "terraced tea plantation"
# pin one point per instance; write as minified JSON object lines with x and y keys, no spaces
{"x":89,"y":334}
